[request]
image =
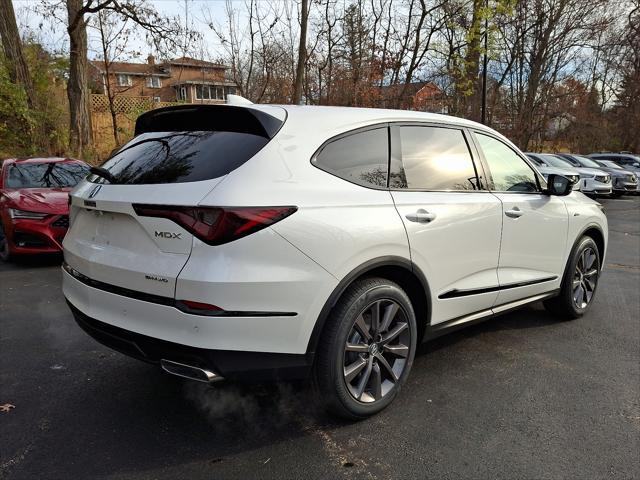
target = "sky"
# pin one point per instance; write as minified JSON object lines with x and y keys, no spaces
{"x":51,"y":32}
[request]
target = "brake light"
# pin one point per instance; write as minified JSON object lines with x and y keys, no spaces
{"x":217,"y":225}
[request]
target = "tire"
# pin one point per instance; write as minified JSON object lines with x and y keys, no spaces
{"x":5,"y":254}
{"x":358,"y":380}
{"x":581,"y":275}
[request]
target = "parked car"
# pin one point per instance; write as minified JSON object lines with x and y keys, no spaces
{"x":545,"y":168}
{"x":623,"y":176}
{"x":626,"y":160}
{"x":34,"y":209}
{"x":622,"y":181}
{"x":228,"y":241}
{"x":592,"y":181}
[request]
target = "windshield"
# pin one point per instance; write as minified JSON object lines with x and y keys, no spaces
{"x":609,"y":164}
{"x":46,"y":175}
{"x":556,"y":161}
{"x":586,"y":162}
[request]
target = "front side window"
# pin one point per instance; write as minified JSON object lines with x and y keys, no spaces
{"x":509,"y":172}
{"x":360,"y":158}
{"x":433,"y":158}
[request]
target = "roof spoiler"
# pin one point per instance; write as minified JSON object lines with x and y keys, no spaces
{"x":224,"y":118}
{"x":237,"y":100}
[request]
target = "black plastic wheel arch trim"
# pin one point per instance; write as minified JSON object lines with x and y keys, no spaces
{"x":167,"y":301}
{"x":385,"y":261}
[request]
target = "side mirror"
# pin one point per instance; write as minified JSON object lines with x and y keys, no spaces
{"x":558,"y":185}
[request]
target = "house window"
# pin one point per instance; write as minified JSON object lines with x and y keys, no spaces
{"x":182,"y":93}
{"x":124,"y":80}
{"x":231,"y":90}
{"x":209,"y":92}
{"x":154,"y":82}
{"x":203,"y":92}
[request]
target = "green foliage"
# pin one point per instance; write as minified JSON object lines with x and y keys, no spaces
{"x":42,"y":130}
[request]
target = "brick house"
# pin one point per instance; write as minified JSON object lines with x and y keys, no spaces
{"x":182,"y":79}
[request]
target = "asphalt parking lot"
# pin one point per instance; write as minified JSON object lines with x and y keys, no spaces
{"x":520,"y":396}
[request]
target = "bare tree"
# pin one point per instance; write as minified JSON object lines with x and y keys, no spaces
{"x":302,"y":52}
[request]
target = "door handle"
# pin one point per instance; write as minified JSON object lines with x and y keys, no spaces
{"x":421,"y":216}
{"x":515,"y":212}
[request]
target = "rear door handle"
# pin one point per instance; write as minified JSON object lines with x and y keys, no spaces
{"x":515,"y":212}
{"x":421,"y":216}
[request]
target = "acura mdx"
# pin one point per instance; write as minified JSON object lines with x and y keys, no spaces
{"x":257,"y":241}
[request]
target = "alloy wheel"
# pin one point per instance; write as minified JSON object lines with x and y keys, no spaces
{"x":585,"y":278}
{"x":376,"y":351}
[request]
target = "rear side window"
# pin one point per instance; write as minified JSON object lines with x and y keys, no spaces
{"x":434,"y":158}
{"x":176,"y":157}
{"x":361,"y":157}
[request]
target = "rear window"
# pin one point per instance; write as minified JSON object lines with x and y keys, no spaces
{"x":46,"y":175}
{"x":177,"y":157}
{"x":190,"y":144}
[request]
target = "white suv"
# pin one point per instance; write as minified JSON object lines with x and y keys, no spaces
{"x":281,"y":242}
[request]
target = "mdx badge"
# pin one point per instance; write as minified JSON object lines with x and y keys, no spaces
{"x":168,"y":235}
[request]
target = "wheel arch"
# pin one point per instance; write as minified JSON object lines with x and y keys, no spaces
{"x":397,"y":269}
{"x":594,"y":232}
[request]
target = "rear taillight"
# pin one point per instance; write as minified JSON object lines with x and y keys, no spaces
{"x":217,"y":225}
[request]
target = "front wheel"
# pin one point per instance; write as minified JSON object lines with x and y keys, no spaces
{"x":366,"y":349}
{"x":580,"y":281}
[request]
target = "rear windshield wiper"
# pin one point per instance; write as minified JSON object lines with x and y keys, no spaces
{"x":103,"y":173}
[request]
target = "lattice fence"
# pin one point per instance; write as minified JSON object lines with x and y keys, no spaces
{"x":128,"y":109}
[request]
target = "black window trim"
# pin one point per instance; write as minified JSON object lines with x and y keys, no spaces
{"x":394,"y":153}
{"x":539,"y":178}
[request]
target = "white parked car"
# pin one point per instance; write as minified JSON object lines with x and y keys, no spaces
{"x":277,"y":242}
{"x":593,"y":180}
{"x":543,"y":163}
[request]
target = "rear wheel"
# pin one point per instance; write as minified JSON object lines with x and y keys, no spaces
{"x":5,"y":255}
{"x":366,"y":349}
{"x":580,"y":281}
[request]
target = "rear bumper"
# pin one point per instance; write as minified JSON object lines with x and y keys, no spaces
{"x":248,"y":366}
{"x":250,"y":333}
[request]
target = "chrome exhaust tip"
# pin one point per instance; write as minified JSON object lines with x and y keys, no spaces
{"x":187,"y":371}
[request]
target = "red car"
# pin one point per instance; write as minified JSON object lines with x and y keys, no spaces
{"x":34,"y":210}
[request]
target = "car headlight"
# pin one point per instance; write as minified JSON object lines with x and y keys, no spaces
{"x":24,"y":214}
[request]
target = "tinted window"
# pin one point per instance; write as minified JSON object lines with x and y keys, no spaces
{"x":176,"y":157}
{"x":360,"y":158}
{"x":509,"y":172}
{"x":46,"y":175}
{"x":434,"y":159}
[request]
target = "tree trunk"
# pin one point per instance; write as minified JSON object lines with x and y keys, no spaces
{"x":12,"y":46}
{"x":302,"y":53}
{"x":78,"y":85}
